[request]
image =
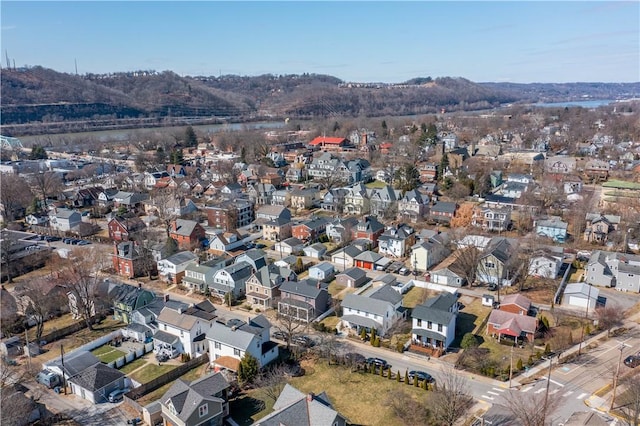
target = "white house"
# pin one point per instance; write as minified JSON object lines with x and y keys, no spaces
{"x":396,"y":240}
{"x":235,"y":338}
{"x":434,"y":321}
{"x":64,"y":219}
{"x":224,"y":242}
{"x":429,"y":252}
{"x":377,"y":308}
{"x":289,"y":246}
{"x":233,"y":279}
{"x":172,"y":268}
{"x":545,"y":265}
{"x":184,"y":330}
{"x":322,"y":272}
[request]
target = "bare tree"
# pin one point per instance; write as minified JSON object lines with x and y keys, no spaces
{"x":146,"y":240}
{"x":451,"y":398}
{"x":629,"y":400}
{"x":530,"y":409}
{"x":15,"y":195}
{"x":609,"y":316}
{"x":41,"y":298}
{"x":272,"y":381}
{"x":81,"y":274}
{"x":166,"y":202}
{"x":46,"y":184}
{"x":288,"y":323}
{"x":15,"y":407}
{"x":407,"y":409}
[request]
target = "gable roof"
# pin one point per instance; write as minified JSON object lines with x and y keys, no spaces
{"x":187,"y":397}
{"x":355,"y":273}
{"x":436,"y":309}
{"x":183,"y":227}
{"x":325,"y":140}
{"x":309,"y":288}
{"x":181,"y":257}
{"x":506,"y":321}
{"x":518,"y":300}
{"x":97,"y":377}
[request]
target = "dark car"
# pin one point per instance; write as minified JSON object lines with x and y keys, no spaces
{"x":162,"y":357}
{"x":67,"y":240}
{"x":421,"y":375}
{"x":378,"y":362}
{"x":51,"y":239}
{"x":632,"y":361}
{"x":280,"y":335}
{"x":83,"y":242}
{"x":303,"y":341}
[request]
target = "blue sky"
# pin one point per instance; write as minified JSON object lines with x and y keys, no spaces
{"x":523,"y":42}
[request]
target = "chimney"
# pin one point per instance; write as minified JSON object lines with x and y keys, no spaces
{"x":310,"y":396}
{"x":318,"y":285}
{"x":139,"y":285}
{"x":165,"y":297}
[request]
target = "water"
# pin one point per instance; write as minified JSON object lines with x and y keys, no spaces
{"x":592,"y":103}
{"x":125,"y":134}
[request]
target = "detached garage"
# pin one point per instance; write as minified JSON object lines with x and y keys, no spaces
{"x":580,"y":295}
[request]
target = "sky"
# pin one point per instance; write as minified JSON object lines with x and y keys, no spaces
{"x":359,"y":41}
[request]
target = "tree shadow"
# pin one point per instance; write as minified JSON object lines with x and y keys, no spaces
{"x":244,"y":408}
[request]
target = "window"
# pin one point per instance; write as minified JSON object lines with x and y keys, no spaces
{"x":265,"y":291}
{"x":440,"y":328}
{"x":429,"y":324}
{"x":490,"y":265}
{"x":236,"y":352}
{"x":419,"y":323}
{"x":217,"y":345}
{"x":250,"y":288}
{"x":203,"y":410}
{"x":165,"y":327}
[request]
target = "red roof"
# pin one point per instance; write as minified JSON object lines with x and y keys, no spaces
{"x":386,"y":145}
{"x":323,"y":140}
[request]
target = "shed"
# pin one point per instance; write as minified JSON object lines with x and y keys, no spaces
{"x":580,"y":295}
{"x":488,"y":300}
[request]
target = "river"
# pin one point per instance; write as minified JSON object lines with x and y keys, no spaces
{"x":592,"y":103}
{"x":124,"y":134}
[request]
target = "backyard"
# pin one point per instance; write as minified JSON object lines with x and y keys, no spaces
{"x":107,"y":353}
{"x":188,"y":377}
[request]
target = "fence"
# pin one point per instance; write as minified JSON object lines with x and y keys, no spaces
{"x":154,"y":384}
{"x":557,"y":299}
{"x":433,"y":286}
{"x":100,"y":341}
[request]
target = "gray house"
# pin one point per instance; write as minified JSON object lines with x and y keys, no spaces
{"x":352,"y":277}
{"x":322,"y":272}
{"x":608,"y":269}
{"x":303,"y":300}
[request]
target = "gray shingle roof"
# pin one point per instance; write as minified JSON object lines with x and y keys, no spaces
{"x":181,"y":257}
{"x":97,"y":377}
{"x":187,"y":397}
{"x":436,"y":309}
{"x":308,"y":288}
{"x":294,"y":408}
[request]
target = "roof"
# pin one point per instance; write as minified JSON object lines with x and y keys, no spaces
{"x":236,"y":337}
{"x":499,"y":248}
{"x":361,"y":321}
{"x":308,"y":288}
{"x":368,"y":256}
{"x":66,"y":213}
{"x":504,"y":320}
{"x":444,"y":207}
{"x":78,"y":362}
{"x":97,"y":377}
{"x":350,"y":250}
{"x":187,"y":397}
{"x":177,"y":319}
{"x":436,"y":309}
{"x":518,"y":300}
{"x":594,"y":217}
{"x":354,"y":273}
{"x":582,"y":289}
{"x":324,"y":267}
{"x":181,"y":257}
{"x":184,"y":227}
{"x":296,"y":408}
{"x":324,"y":140}
{"x":386,"y":294}
{"x":163,"y":336}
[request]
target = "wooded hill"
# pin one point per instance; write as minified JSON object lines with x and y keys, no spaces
{"x":40,"y":95}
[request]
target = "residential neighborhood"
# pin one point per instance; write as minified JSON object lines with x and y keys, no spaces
{"x":179,"y":293}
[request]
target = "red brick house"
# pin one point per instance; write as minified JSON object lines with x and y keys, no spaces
{"x":187,"y":233}
{"x":368,"y":228}
{"x":122,"y":229}
{"x":512,"y":320}
{"x":309,"y":230}
{"x":516,"y":304}
{"x":330,"y":143}
{"x":127,"y":260}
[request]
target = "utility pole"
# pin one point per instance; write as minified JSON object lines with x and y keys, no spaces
{"x":546,"y":394}
{"x":615,"y":378}
{"x":64,"y":380}
{"x":26,"y":339}
{"x":511,"y":365}
{"x":586,"y":317}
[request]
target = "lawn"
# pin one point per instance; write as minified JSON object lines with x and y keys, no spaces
{"x":331,"y":321}
{"x":150,"y":372}
{"x":415,"y":296}
{"x":334,"y":288}
{"x":376,"y":184}
{"x":369,"y":407}
{"x":135,"y":364}
{"x":249,"y":407}
{"x":620,"y":184}
{"x":469,"y":319}
{"x":189,"y":376}
{"x":575,"y":277}
{"x":53,"y":324}
{"x":107,"y":353}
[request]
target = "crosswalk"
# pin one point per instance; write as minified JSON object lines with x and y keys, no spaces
{"x":495,"y":392}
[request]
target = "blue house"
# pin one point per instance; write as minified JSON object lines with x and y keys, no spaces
{"x":552,"y":227}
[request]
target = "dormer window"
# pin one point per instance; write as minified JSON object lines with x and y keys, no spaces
{"x":203,"y":410}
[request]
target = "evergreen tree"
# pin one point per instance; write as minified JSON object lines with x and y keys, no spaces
{"x":406,"y":377}
{"x":190,"y":138}
{"x":176,"y":157}
{"x":444,"y":165}
{"x":248,"y":368}
{"x":407,"y":177}
{"x":398,"y":376}
{"x":38,"y":153}
{"x":519,"y":365}
{"x":170,"y":247}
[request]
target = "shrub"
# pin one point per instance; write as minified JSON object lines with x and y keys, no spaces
{"x":538,"y":354}
{"x":247,"y":306}
{"x":363,"y":333}
{"x":547,"y":349}
{"x":406,"y":377}
{"x":400,"y":347}
{"x":416,"y":382}
{"x":376,"y":342}
{"x":398,"y":376}
{"x":381,"y":371}
{"x":530,"y":361}
{"x":519,"y":365}
{"x":389,"y":374}
{"x":257,"y":310}
{"x":587,"y":330}
{"x":469,"y":340}
{"x":424,"y":385}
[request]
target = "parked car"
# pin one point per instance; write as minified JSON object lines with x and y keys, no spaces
{"x":303,"y":341}
{"x":632,"y":361}
{"x":83,"y":242}
{"x":404,"y":271}
{"x":48,"y":378}
{"x":280,"y":335}
{"x":421,"y":375}
{"x":378,"y":362}
{"x":117,"y":395}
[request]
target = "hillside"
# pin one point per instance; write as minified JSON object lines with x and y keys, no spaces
{"x":37,"y":99}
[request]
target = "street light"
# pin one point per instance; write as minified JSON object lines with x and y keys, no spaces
{"x":546,"y":394}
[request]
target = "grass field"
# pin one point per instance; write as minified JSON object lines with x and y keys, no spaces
{"x":150,"y":372}
{"x":621,"y":184}
{"x":249,"y":407}
{"x":135,"y":364}
{"x":334,"y":288}
{"x":331,"y":321}
{"x":107,"y":353}
{"x":376,"y":184}
{"x":415,"y":296}
{"x":189,"y":376}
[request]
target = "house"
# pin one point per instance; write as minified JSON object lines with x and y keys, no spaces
{"x":130,"y":201}
{"x":339,"y":230}
{"x":64,"y":220}
{"x":560,"y":164}
{"x":596,"y":170}
{"x":35,"y":220}
{"x":434,"y":324}
{"x":202,"y":401}
{"x":231,"y":279}
{"x":383,"y":202}
{"x":326,"y":143}
{"x":367,"y":260}
{"x":429,"y":252}
{"x":296,"y":408}
{"x":273,"y":212}
{"x":198,"y":276}
{"x":261,"y":193}
{"x":167,"y":205}
{"x":172,"y":268}
{"x":491,"y":219}
{"x":127,"y":260}
{"x":302,"y":199}
{"x":303,"y":300}
{"x":230,"y":214}
{"x":315,"y":251}
{"x":322,"y":271}
{"x":493,"y":262}
{"x":377,"y":308}
{"x":520,"y":327}
{"x":277,"y":229}
{"x":396,"y":240}
{"x":599,"y":226}
{"x":345,"y":257}
{"x":356,"y":200}
{"x":581,"y":295}
{"x":124,"y":228}
{"x":309,"y":230}
{"x":263,"y":286}
{"x":545,"y":264}
{"x":442,"y":211}
{"x":333,"y":200}
{"x":236,"y":338}
{"x":224,"y":242}
{"x":183,"y":331}
{"x":187,"y":233}
{"x":127,"y":298}
{"x":96,"y":382}
{"x":231,"y":190}
{"x":369,"y":228}
{"x":289,"y":246}
{"x":150,"y":179}
{"x":281,"y":197}
{"x":619,"y":270}
{"x":552,"y":227}
{"x":352,"y":277}
{"x":413,"y":206}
